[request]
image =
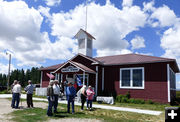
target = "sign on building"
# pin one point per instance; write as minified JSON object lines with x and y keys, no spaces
{"x":70,"y":69}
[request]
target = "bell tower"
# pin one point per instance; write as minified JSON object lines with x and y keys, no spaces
{"x":85,"y":43}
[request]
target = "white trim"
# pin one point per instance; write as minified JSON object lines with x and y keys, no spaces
{"x":168,"y":83}
{"x":131,"y":80}
{"x":41,"y":78}
{"x":96,"y":80}
{"x":83,"y":78}
{"x":84,"y":57}
{"x":61,"y":78}
{"x":74,"y":65}
{"x":103,"y":79}
{"x":67,"y":63}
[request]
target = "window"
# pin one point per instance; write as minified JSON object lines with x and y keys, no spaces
{"x":132,"y":78}
{"x":172,"y":77}
{"x":89,"y":44}
{"x":81,"y":44}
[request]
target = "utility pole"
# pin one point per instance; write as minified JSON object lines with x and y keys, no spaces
{"x":8,"y":70}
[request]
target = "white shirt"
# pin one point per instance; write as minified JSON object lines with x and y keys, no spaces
{"x":56,"y":89}
{"x":17,"y":88}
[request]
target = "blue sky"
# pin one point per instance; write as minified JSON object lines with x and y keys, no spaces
{"x":40,"y":32}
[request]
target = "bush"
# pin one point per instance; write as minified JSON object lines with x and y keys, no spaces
{"x":122,"y":98}
{"x":139,"y":101}
{"x":128,"y":95}
{"x":131,"y":100}
{"x":5,"y":92}
{"x":149,"y":102}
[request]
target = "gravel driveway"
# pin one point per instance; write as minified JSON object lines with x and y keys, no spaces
{"x":5,"y":108}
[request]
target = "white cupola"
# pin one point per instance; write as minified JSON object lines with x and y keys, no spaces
{"x":85,"y":43}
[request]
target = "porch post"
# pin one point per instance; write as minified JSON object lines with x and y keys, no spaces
{"x":61,"y":78}
{"x":96,"y":80}
{"x":103,"y":79}
{"x":83,"y":78}
{"x":168,"y":83}
{"x":41,"y":78}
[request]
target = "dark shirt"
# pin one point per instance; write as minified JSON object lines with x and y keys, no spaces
{"x":50,"y":91}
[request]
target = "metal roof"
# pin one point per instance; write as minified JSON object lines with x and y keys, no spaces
{"x":118,"y":60}
{"x":130,"y":59}
{"x":53,"y":67}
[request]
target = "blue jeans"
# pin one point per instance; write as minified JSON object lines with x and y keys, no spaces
{"x":15,"y":99}
{"x":70,"y":100}
{"x":56,"y":102}
{"x":89,"y":102}
{"x":50,"y":104}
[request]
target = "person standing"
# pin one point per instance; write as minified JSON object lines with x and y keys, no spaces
{"x":83,"y":96}
{"x":70,"y":95}
{"x":16,"y":95}
{"x":56,"y":90}
{"x":12,"y":85}
{"x":90,"y":94}
{"x":50,"y":97}
{"x":29,"y":91}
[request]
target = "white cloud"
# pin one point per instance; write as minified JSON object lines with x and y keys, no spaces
{"x":149,"y":7}
{"x":163,"y":16}
{"x":4,"y":68}
{"x":107,"y":24}
{"x":112,"y":52}
{"x":127,"y":3}
{"x":52,"y":2}
{"x":44,"y":11}
{"x":20,"y":33}
{"x":170,"y":42}
{"x":138,"y":42}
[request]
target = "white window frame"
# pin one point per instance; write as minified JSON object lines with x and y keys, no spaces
{"x":131,"y":78}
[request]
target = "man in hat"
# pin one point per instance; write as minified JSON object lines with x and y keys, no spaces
{"x":70,"y":94}
{"x":56,"y":90}
{"x":50,"y":97}
{"x":29,"y":91}
{"x":16,"y":94}
{"x":12,"y":85}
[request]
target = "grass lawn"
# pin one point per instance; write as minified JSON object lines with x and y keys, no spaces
{"x":39,"y":114}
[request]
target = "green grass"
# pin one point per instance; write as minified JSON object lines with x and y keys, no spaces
{"x":157,"y":107}
{"x":39,"y":114}
{"x":29,"y":115}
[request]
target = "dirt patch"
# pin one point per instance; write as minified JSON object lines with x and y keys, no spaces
{"x":74,"y":120}
{"x":5,"y":109}
{"x":5,"y":106}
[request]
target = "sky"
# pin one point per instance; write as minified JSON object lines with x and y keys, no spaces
{"x":41,"y":32}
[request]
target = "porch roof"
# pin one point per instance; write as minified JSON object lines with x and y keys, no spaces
{"x":78,"y":65}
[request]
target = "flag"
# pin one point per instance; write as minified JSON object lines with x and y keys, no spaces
{"x":79,"y":80}
{"x":51,"y":76}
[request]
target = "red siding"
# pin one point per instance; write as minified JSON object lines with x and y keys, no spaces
{"x":155,"y":82}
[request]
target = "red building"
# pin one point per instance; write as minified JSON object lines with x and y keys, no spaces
{"x":145,"y":77}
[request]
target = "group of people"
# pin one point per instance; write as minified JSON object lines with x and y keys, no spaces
{"x":53,"y":91}
{"x":16,"y":93}
{"x":86,"y":96}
